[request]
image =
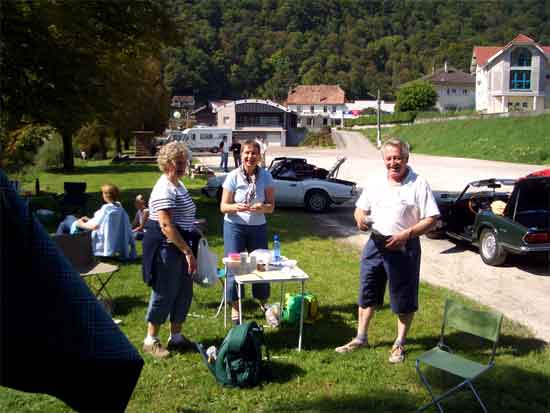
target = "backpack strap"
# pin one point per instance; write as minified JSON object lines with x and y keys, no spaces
{"x":237,"y":336}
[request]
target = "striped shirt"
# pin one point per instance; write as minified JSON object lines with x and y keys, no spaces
{"x":166,"y":195}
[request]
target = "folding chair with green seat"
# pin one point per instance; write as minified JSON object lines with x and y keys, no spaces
{"x":484,"y":324}
{"x":77,"y":249}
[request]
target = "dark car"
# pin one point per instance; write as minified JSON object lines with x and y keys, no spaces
{"x":500,"y":216}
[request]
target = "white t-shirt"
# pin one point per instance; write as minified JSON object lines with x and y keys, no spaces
{"x":397,"y":207}
{"x":166,"y":195}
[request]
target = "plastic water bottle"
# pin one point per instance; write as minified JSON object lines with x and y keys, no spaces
{"x":276,"y":249}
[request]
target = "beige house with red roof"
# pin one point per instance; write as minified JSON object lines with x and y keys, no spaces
{"x":317,"y":106}
{"x":514,"y":77}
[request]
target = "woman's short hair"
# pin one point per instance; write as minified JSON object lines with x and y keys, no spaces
{"x":251,"y":142}
{"x":170,"y":152}
{"x":398,"y":143}
{"x":110,"y":192}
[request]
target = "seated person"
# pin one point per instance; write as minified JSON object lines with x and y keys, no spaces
{"x":142,"y":214}
{"x":110,"y":226}
{"x":498,"y":207}
{"x":64,"y":226}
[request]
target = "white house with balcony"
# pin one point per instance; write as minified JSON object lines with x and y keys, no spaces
{"x":317,"y":106}
{"x":515,"y":77}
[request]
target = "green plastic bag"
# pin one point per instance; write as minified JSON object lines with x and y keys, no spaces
{"x":291,"y":311}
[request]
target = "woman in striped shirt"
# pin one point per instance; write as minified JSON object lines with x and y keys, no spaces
{"x":169,"y":250}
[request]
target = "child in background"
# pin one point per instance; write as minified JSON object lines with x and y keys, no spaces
{"x":142,"y":214}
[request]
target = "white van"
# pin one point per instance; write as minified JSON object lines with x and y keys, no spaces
{"x":206,"y":138}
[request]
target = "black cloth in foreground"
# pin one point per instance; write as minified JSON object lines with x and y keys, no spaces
{"x":55,"y":337}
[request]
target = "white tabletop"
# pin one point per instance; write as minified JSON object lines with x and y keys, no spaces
{"x":284,"y":274}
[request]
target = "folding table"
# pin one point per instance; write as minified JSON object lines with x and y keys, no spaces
{"x":273,"y":275}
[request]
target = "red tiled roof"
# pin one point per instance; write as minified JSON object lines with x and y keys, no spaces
{"x":521,"y":38}
{"x":484,"y":53}
{"x":316,"y":94}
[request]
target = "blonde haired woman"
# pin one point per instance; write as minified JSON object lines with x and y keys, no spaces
{"x":110,"y":226}
{"x":169,"y":248}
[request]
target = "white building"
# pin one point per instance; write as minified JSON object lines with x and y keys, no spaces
{"x":317,"y":106}
{"x":512,"y":77}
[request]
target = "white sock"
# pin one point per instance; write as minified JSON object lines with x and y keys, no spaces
{"x":175,"y":337}
{"x":150,"y":340}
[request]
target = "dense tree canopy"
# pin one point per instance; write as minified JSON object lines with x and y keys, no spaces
{"x":236,"y":48}
{"x":63,"y":60}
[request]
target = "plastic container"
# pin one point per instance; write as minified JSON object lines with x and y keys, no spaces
{"x":276,"y":249}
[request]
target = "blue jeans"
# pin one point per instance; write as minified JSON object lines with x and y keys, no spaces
{"x":173,"y":287}
{"x":223,"y":161}
{"x":240,"y":238}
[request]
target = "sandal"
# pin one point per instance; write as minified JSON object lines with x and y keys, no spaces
{"x":397,"y":354}
{"x":351,"y":346}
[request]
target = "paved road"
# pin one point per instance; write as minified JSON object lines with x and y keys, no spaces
{"x":521,"y":289}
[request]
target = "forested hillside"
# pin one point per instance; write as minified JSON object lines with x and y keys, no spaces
{"x":239,"y":48}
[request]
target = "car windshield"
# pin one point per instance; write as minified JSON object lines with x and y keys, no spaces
{"x":500,"y":190}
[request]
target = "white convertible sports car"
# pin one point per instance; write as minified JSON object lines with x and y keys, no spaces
{"x":298,"y":183}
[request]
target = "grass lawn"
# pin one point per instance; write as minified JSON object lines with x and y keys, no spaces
{"x":522,"y":140}
{"x":317,"y":379}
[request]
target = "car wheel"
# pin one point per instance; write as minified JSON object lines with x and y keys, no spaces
{"x":491,"y":251}
{"x":214,"y":150}
{"x":317,"y":201}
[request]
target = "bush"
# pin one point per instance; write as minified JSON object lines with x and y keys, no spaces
{"x":416,"y":96}
{"x":398,"y":117}
{"x":92,"y":139}
{"x":50,"y":154}
{"x":318,"y":139}
{"x":20,"y":145}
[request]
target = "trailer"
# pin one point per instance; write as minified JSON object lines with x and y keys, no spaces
{"x":205,"y":138}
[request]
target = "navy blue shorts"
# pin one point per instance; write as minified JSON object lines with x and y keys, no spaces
{"x":400,"y":268}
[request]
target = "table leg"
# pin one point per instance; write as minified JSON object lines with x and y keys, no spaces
{"x":225,"y":298}
{"x":240,"y":303}
{"x":281,"y":300}
{"x":301,"y":320}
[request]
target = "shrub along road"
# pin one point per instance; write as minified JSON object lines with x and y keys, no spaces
{"x":520,"y":289}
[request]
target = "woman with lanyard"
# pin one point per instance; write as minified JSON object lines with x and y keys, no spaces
{"x":169,"y":250}
{"x":248,"y":194}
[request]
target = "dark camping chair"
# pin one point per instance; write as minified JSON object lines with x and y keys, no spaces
{"x":77,"y":249}
{"x":75,"y":195}
{"x":484,"y":324}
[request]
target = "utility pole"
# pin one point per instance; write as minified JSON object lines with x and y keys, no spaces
{"x":378,"y":131}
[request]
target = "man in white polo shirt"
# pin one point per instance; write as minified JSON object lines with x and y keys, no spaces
{"x":398,"y":207}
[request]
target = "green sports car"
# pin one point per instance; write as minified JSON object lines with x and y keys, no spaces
{"x":500,"y":216}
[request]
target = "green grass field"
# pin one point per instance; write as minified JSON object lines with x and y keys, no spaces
{"x":522,"y":140}
{"x":317,"y":379}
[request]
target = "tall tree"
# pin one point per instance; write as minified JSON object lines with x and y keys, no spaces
{"x":56,"y":53}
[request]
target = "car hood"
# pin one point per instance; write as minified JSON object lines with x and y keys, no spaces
{"x":333,"y":172}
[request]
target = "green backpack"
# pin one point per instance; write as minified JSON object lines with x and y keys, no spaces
{"x":293,"y":303}
{"x":239,"y":359}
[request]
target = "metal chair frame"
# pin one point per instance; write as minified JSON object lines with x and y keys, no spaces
{"x":484,"y":324}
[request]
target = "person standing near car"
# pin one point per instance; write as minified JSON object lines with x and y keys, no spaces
{"x":224,"y":155}
{"x":248,"y":195}
{"x":399,"y":206}
{"x":236,"y":150}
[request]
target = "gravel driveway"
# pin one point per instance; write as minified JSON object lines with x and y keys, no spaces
{"x":520,"y":290}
